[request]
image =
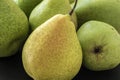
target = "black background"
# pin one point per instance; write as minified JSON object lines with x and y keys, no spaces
{"x":11,"y":68}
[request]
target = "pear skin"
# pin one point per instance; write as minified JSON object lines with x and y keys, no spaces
{"x":71,"y":1}
{"x":47,"y":9}
{"x":107,"y":11}
{"x":14,"y":28}
{"x":100,"y":44}
{"x":27,"y":5}
{"x":53,"y":51}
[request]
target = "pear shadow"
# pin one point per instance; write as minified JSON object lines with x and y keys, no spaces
{"x":11,"y":68}
{"x":85,"y":74}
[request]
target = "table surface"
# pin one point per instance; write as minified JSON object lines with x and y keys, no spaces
{"x":11,"y":68}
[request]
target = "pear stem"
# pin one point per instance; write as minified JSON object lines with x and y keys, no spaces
{"x":71,"y":12}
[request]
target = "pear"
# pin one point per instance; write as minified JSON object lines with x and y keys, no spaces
{"x":107,"y":11}
{"x":71,"y":1}
{"x":13,"y":28}
{"x":27,"y":5}
{"x":47,"y":9}
{"x":52,"y":51}
{"x":100,"y":43}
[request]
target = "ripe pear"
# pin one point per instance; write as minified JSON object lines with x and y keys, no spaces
{"x":52,"y":51}
{"x":102,"y":10}
{"x":13,"y":28}
{"x":100,"y":43}
{"x":47,"y":9}
{"x":27,"y":5}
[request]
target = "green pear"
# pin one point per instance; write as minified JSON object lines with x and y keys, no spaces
{"x":102,"y":10}
{"x":13,"y":28}
{"x":100,"y":43}
{"x":71,"y":1}
{"x":27,"y":5}
{"x":52,"y":51}
{"x":47,"y":9}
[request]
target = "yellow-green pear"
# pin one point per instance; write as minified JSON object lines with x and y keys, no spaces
{"x":13,"y":28}
{"x":27,"y":5}
{"x":71,"y":1}
{"x":47,"y":9}
{"x":52,"y":51}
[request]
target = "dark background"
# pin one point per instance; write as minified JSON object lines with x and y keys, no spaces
{"x":11,"y":68}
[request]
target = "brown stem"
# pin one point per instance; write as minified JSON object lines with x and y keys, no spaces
{"x":71,"y":12}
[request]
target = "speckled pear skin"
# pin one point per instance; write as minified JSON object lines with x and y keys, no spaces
{"x":27,"y":5}
{"x":100,"y":44}
{"x":102,"y":10}
{"x":47,"y":9}
{"x":52,"y":51}
{"x":13,"y":28}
